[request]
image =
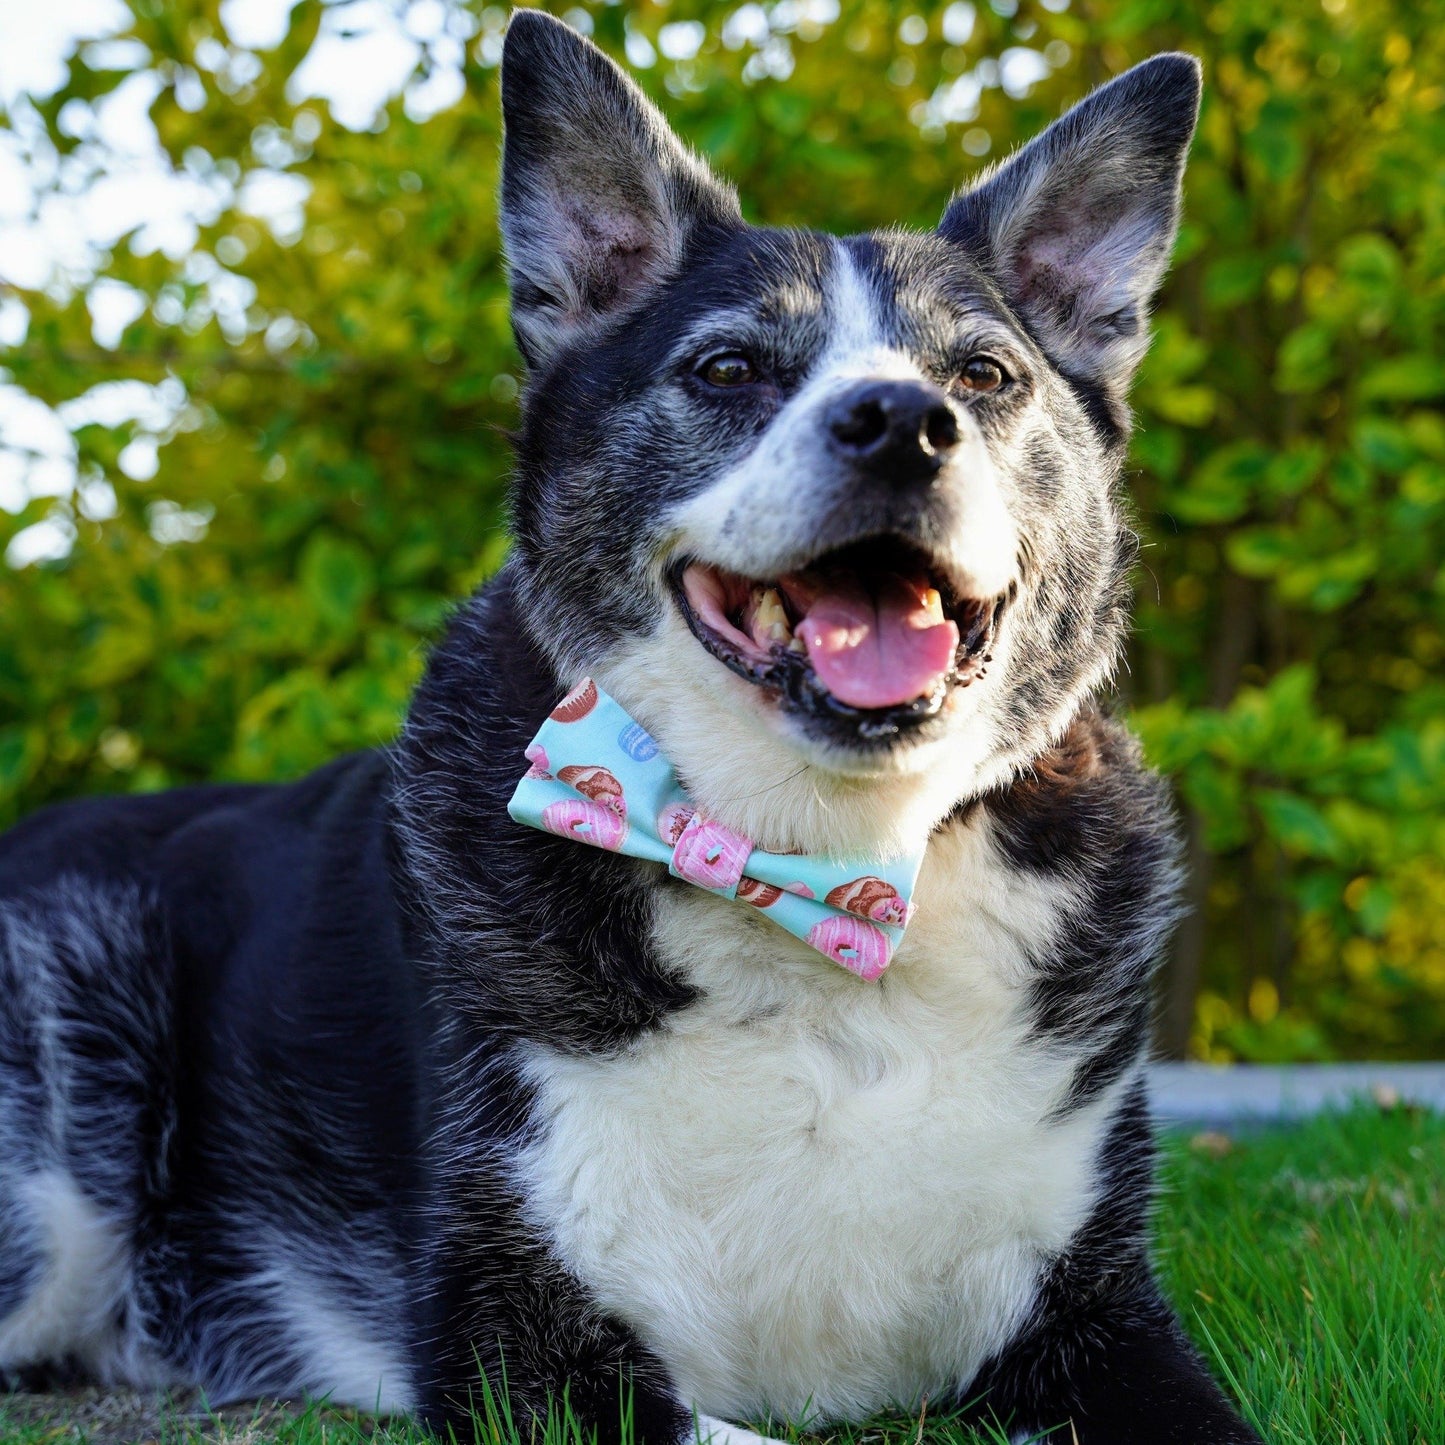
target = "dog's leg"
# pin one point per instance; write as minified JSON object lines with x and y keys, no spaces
{"x":1118,"y":1373}
{"x":84,"y":1100}
{"x":513,"y":1338}
{"x":513,"y":1335}
{"x":718,"y":1432}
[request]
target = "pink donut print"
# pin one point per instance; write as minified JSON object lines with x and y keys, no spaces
{"x":536,"y":754}
{"x":891,"y":910}
{"x":585,"y":822}
{"x":858,"y":946}
{"x":711,"y":855}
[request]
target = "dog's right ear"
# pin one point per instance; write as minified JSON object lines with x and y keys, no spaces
{"x":599,"y":197}
{"x":1078,"y":226}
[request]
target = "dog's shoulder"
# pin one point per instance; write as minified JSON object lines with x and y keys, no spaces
{"x":278,"y":902}
{"x":141,"y":837}
{"x":1092,"y":819}
{"x":111,"y":839}
{"x":1083,"y":800}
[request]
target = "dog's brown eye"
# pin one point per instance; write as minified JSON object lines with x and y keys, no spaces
{"x":981,"y":375}
{"x":731,"y":368}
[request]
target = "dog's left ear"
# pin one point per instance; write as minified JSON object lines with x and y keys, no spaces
{"x":599,"y":198}
{"x":1077,"y":227}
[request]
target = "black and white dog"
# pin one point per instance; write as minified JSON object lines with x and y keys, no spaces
{"x":356,"y":1087}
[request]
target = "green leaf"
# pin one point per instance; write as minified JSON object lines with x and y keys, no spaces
{"x":1259,"y":552}
{"x":1385,"y":445}
{"x":1274,"y":141}
{"x":1417,"y":377}
{"x":1233,"y":280}
{"x":1185,"y":405}
{"x":1299,"y":827}
{"x":20,"y":753}
{"x":338,"y":579}
{"x":1223,"y":488}
{"x":1305,"y":361}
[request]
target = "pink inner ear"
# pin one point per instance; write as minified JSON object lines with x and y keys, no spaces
{"x":613,"y":254}
{"x":1088,"y":273}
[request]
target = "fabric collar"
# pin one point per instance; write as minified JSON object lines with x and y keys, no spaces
{"x":597,"y":777}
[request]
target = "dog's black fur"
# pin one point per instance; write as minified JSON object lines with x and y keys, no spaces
{"x":279,"y":1067}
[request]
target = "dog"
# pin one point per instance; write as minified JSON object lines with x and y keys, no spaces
{"x":359,"y":1088}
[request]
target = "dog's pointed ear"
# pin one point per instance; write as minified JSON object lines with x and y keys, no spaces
{"x":1077,"y":227}
{"x":599,"y":197}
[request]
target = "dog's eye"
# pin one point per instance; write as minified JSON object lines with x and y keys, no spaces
{"x":981,"y":374}
{"x":728,"y":368}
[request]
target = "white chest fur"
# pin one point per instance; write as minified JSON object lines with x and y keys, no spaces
{"x":811,"y":1194}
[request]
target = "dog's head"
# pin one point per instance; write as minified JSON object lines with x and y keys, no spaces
{"x":834,"y":518}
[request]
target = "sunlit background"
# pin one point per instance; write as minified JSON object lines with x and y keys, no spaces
{"x":255,"y":372}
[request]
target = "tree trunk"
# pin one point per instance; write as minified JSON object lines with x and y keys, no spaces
{"x":1186,"y":964}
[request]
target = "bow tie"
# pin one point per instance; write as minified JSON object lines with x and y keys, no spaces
{"x":598,"y":778}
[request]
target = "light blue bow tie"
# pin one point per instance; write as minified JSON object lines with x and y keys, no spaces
{"x":597,"y":777}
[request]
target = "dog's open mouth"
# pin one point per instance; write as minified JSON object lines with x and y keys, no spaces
{"x":873,"y":633}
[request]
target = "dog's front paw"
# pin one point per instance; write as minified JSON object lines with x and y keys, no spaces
{"x":709,"y":1431}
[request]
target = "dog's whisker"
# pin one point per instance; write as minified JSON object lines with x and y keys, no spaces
{"x":770,"y":788}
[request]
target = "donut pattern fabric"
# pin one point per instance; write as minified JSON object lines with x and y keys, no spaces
{"x":595,"y":776}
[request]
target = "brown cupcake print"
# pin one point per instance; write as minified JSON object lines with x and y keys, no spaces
{"x":578,"y":703}
{"x":760,"y":895}
{"x":871,"y":898}
{"x":595,"y":783}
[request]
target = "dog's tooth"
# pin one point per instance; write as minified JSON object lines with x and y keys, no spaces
{"x":770,"y":610}
{"x":770,"y":620}
{"x":797,"y":645}
{"x":933,"y":604}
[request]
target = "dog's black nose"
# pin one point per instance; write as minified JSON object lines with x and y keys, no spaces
{"x":902,"y":429}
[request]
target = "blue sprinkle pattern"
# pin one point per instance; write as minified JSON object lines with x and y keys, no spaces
{"x":637,"y":743}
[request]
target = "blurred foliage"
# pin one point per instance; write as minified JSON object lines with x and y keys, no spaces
{"x":257,"y":595}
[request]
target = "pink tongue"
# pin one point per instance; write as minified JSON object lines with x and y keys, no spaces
{"x":877,"y":652}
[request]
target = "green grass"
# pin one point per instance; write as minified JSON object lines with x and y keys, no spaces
{"x":1308,"y":1263}
{"x":1310,"y":1266}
